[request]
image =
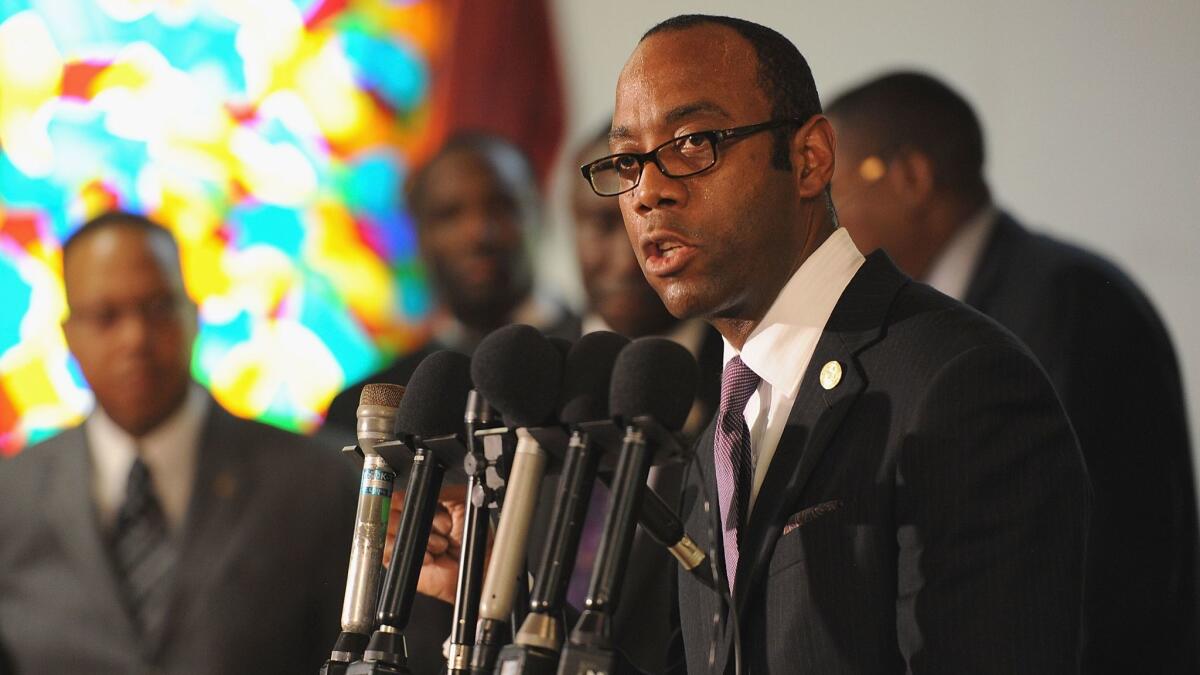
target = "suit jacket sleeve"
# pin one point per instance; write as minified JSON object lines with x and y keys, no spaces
{"x":992,"y":504}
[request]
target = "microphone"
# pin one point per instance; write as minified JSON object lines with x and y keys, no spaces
{"x":519,"y":371}
{"x":653,"y":385}
{"x":377,"y":409}
{"x":478,"y":416}
{"x":430,"y":416}
{"x":586,"y":374}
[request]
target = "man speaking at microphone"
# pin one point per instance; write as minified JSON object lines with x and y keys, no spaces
{"x":894,"y":486}
{"x":164,"y":534}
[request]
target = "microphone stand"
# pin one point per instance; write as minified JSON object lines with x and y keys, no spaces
{"x":479,"y":416}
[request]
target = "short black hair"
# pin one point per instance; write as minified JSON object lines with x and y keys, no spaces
{"x":496,"y":148}
{"x":783,"y":73}
{"x":911,"y":109}
{"x":110,"y":219}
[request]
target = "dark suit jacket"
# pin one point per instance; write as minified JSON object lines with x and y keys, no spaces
{"x":1112,"y":364}
{"x":926,"y":515}
{"x":262,"y":567}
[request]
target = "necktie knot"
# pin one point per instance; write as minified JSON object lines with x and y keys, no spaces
{"x":738,"y":384}
{"x":139,"y":491}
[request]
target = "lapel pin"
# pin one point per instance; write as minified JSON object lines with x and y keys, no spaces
{"x":831,"y":374}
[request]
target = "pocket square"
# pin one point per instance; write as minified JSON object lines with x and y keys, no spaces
{"x":810,"y":514}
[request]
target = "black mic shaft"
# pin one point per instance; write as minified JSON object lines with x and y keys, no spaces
{"x":664,"y":526}
{"x":628,"y":487}
{"x":653,"y":384}
{"x":408,"y":552}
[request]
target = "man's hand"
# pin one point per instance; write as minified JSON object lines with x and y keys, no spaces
{"x":439,"y":571}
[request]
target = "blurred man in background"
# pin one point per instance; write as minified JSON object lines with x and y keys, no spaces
{"x":476,"y":209}
{"x":164,"y":534}
{"x":910,"y":180}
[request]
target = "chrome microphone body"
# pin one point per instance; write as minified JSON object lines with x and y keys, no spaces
{"x":507,"y":566}
{"x":366,"y":551}
{"x":376,"y":423}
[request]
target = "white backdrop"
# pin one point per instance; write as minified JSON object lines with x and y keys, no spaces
{"x":1091,"y":111}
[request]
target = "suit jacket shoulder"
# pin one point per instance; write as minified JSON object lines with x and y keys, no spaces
{"x":945,"y":499}
{"x":1112,"y":363}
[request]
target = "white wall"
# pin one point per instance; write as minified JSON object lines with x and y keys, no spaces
{"x":1091,"y":110}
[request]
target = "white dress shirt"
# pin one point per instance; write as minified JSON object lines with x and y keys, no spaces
{"x":169,"y":451}
{"x":780,"y":347}
{"x":952,"y":270}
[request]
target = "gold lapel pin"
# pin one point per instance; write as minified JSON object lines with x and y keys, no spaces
{"x":831,"y":374}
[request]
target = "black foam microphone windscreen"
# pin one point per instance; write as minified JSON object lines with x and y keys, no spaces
{"x":586,"y":375}
{"x":519,"y":372}
{"x":437,"y":391}
{"x":653,"y":376}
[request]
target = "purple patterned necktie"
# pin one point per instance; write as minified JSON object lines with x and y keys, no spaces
{"x":731,"y":454}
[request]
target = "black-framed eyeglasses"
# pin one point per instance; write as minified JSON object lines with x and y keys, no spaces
{"x":679,"y":157}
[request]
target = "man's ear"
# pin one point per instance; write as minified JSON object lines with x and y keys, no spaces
{"x":911,"y":174}
{"x":812,"y":149}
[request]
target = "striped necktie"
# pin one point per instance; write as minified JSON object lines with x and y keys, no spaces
{"x":732,"y":457}
{"x":143,"y":553}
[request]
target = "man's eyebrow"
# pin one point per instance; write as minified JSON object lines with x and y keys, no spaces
{"x":621,"y":132}
{"x":699,"y":107}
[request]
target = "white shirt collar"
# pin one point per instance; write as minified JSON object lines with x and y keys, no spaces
{"x":780,"y":347}
{"x":953,"y":268}
{"x":169,"y":451}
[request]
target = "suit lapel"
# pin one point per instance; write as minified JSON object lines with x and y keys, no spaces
{"x":856,"y":323}
{"x":220,"y":495}
{"x":72,"y":514}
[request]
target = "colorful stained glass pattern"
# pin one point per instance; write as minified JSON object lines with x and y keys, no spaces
{"x":270,"y":136}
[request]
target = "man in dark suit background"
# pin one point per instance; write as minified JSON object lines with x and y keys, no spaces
{"x":916,"y":499}
{"x":476,"y":210}
{"x":910,"y":180}
{"x":164,"y":534}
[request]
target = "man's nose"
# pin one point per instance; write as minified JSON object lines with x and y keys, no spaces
{"x":134,"y":330}
{"x":658,"y":191}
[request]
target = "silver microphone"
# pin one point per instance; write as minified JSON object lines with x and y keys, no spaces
{"x":377,"y":407}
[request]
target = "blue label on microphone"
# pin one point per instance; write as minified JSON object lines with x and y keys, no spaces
{"x":377,"y":482}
